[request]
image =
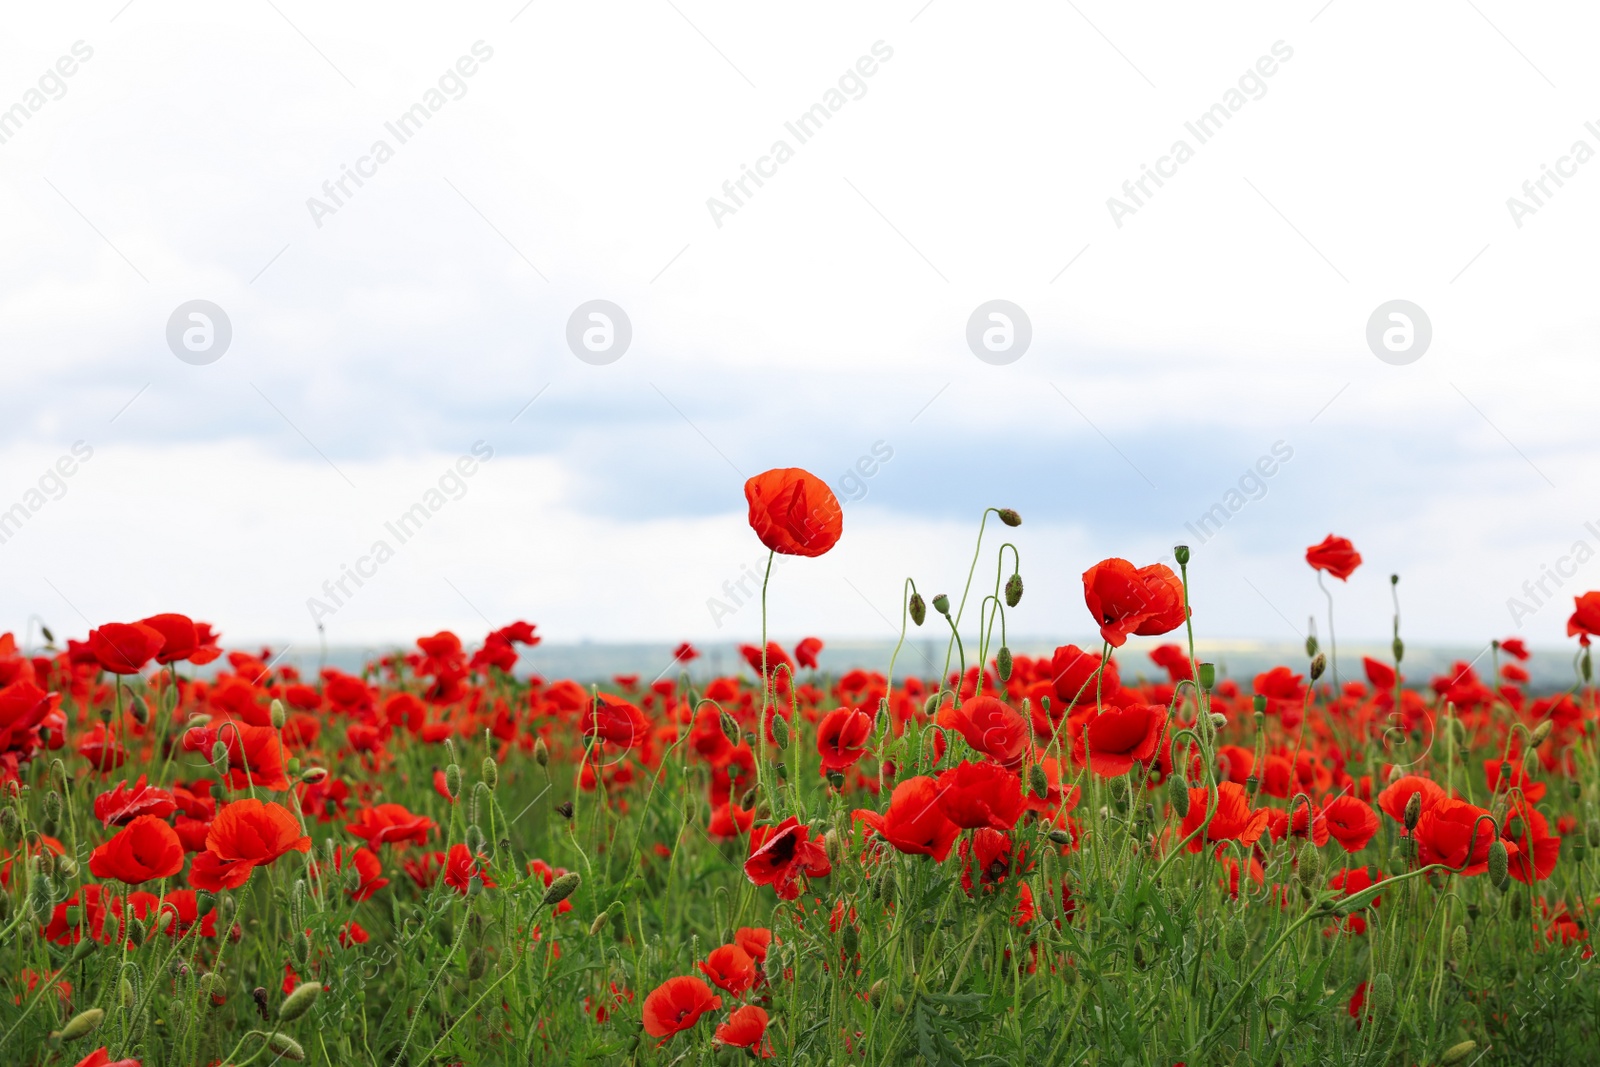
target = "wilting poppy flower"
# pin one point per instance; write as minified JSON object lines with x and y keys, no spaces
{"x":806,"y":652}
{"x":745,"y":1028}
{"x":145,"y":849}
{"x":1336,"y":555}
{"x":245,"y":834}
{"x":614,"y":719}
{"x":1585,"y":615}
{"x":915,"y":822}
{"x":1350,"y":822}
{"x":179,"y":636}
{"x":794,"y":512}
{"x":990,"y":726}
{"x":677,"y":1004}
{"x":780,"y":854}
{"x":975,"y":795}
{"x":730,"y":969}
{"x":1234,"y":822}
{"x":842,"y":737}
{"x":125,"y":647}
{"x":1393,"y":800}
{"x":1118,"y":736}
{"x":1124,"y":599}
{"x":124,"y":803}
{"x":1448,"y":829}
{"x":390,"y":824}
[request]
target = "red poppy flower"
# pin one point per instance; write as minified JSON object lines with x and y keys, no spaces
{"x":745,"y":1028}
{"x":178,"y":634}
{"x":1446,"y":831}
{"x":1124,"y":600}
{"x":181,"y":909}
{"x":915,"y":822}
{"x":1350,"y":822}
{"x":990,"y":852}
{"x":794,"y":512}
{"x":842,"y":737}
{"x":102,"y":749}
{"x":780,"y":854}
{"x":1336,"y":555}
{"x":730,"y":969}
{"x":806,"y":652}
{"x":1534,"y":849}
{"x":1506,"y":774}
{"x":975,"y":795}
{"x":100,"y":1058}
{"x":1393,"y":800}
{"x":1234,"y":822}
{"x":1174,"y":661}
{"x":390,"y":824}
{"x":676,"y":1005}
{"x":614,"y":719}
{"x":255,"y":753}
{"x":245,"y":834}
{"x":368,"y":868}
{"x":461,"y":867}
{"x":145,"y":849}
{"x":776,"y":657}
{"x":353,"y":933}
{"x":730,"y":820}
{"x":1379,"y":674}
{"x":125,"y":647}
{"x":1117,"y":737}
{"x":124,"y":803}
{"x":1073,"y":677}
{"x":990,"y":726}
{"x":1514,"y":647}
{"x":754,"y":940}
{"x":1585,"y":615}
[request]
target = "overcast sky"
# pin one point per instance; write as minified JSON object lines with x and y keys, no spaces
{"x":1356,"y":153}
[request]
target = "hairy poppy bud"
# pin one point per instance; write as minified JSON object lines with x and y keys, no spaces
{"x":1181,"y":554}
{"x":1399,"y":649}
{"x":1540,"y":732}
{"x":931,"y":705}
{"x":81,"y":1025}
{"x":42,"y":896}
{"x":1381,"y":994}
{"x":833,"y":845}
{"x":1038,"y":784}
{"x":1413,"y":811}
{"x":278,"y":715}
{"x":560,"y":889}
{"x":1013,"y":590}
{"x":84,"y":949}
{"x":299,"y":1002}
{"x":918,"y":608}
{"x":941,"y":604}
{"x":1456,"y":1053}
{"x":1060,"y":837}
{"x":1009,"y":517}
{"x":1178,"y":795}
{"x":301,"y":944}
{"x":52,"y":806}
{"x":1514,"y":828}
{"x":541,"y":753}
{"x":491,"y":771}
{"x":849,"y":940}
{"x":140,"y":710}
{"x":730,"y":728}
{"x":1308,"y":865}
{"x":10,"y":825}
{"x":1458,"y":943}
{"x":452,"y":781}
{"x":1002,"y":662}
{"x":1218,"y":719}
{"x":1592,"y":832}
{"x":219,"y":758}
{"x":1311,"y":646}
{"x":1208,"y":676}
{"x":875,"y":994}
{"x":1237,"y":939}
{"x":286,"y":1046}
{"x":1499,"y":864}
{"x":780,"y":731}
{"x":1318,"y":665}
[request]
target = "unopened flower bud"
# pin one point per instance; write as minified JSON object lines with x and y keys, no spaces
{"x":81,"y":1025}
{"x":780,"y":731}
{"x":1514,"y":828}
{"x":1238,"y":940}
{"x":931,"y":705}
{"x":1013,"y":590}
{"x":1318,"y":665}
{"x":1060,"y":837}
{"x":1218,"y":719}
{"x":140,"y":710}
{"x":1311,"y":646}
{"x":1038,"y":783}
{"x":491,"y":771}
{"x":313,"y":775}
{"x":1413,"y":811}
{"x":1456,"y":1053}
{"x":560,"y":889}
{"x":219,"y":758}
{"x":1308,"y":865}
{"x":875,"y":994}
{"x":299,"y":1002}
{"x":1399,"y":649}
{"x":452,"y":781}
{"x":1002,"y":663}
{"x":541,"y":753}
{"x":1499,"y":864}
{"x":286,"y":1046}
{"x":1009,"y":517}
{"x":918,"y":608}
{"x":730,"y":728}
{"x":279,"y":716}
{"x":1540,"y":732}
{"x":1458,"y":943}
{"x":1178,"y":795}
{"x":1380,"y":992}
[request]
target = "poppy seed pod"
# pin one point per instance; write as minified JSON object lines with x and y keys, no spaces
{"x":1013,"y":590}
{"x":1259,"y":705}
{"x":1413,"y":811}
{"x":1181,"y":554}
{"x":941,"y":604}
{"x":278,"y":715}
{"x":1514,"y":828}
{"x":918,"y":608}
{"x":1457,"y":1053}
{"x":1009,"y":517}
{"x":1252,"y":784}
{"x":1178,"y":795}
{"x":1318,"y":665}
{"x":1208,"y":676}
{"x":1381,"y":993}
{"x":1002,"y":662}
{"x":299,"y":1002}
{"x":560,"y":889}
{"x":1499,"y":864}
{"x":81,"y":1025}
{"x":836,"y":779}
{"x":491,"y":771}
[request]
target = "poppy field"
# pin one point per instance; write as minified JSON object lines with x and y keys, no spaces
{"x":1093,"y":857}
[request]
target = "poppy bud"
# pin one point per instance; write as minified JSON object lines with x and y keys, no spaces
{"x":780,"y":731}
{"x":833,"y":845}
{"x":1457,"y":1053}
{"x":286,"y":1046}
{"x":941,"y":604}
{"x":1413,"y":811}
{"x":560,"y":889}
{"x":931,"y":705}
{"x":1499,"y":864}
{"x":84,"y":949}
{"x":301,"y":944}
{"x":1458,"y":943}
{"x":730,"y":728}
{"x":1399,"y":649}
{"x":1009,"y":517}
{"x":1218,"y":719}
{"x":278,"y":715}
{"x":477,"y":964}
{"x":140,"y":710}
{"x":1308,"y":865}
{"x":1013,"y":590}
{"x":299,"y":1002}
{"x":1593,"y":833}
{"x":1540,"y":732}
{"x":1237,"y":939}
{"x":850,"y":940}
{"x":52,"y":806}
{"x":875,"y":994}
{"x":491,"y":771}
{"x":1514,"y":828}
{"x":541,"y":753}
{"x":212,"y":985}
{"x":10,"y":825}
{"x":1381,"y":994}
{"x":888,"y":885}
{"x":81,"y":1025}
{"x":1574,"y":788}
{"x":1178,"y":795}
{"x":219,"y":758}
{"x":1038,"y":784}
{"x":1311,"y":646}
{"x":918,"y":608}
{"x":452,"y":781}
{"x":1060,"y":837}
{"x":41,"y":896}
{"x":1181,"y":554}
{"x":313,"y":775}
{"x":564,"y":809}
{"x":1002,"y":662}
{"x":1318,"y":665}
